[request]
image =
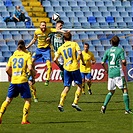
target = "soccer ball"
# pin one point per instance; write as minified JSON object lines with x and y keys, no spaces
{"x":56,"y":17}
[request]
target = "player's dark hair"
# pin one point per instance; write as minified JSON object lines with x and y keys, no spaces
{"x":21,"y":44}
{"x":115,"y":41}
{"x":42,"y":22}
{"x":60,"y":21}
{"x":67,"y":36}
{"x":86,"y":44}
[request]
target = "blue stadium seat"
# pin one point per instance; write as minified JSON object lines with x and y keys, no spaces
{"x":85,"y":25}
{"x":99,"y":3}
{"x":67,"y":8}
{"x":55,"y":3}
{"x":102,"y":9}
{"x":126,"y":3}
{"x":74,"y":20}
{"x":1,"y":3}
{"x":108,"y":3}
{"x":103,"y":25}
{"x":128,"y":9}
{"x":76,"y":25}
{"x":100,"y":19}
{"x":49,"y":9}
{"x":101,"y":53}
{"x":4,"y":48}
{"x":79,"y":14}
{"x":10,"y":8}
{"x":93,"y":37}
{"x":1,"y":36}
{"x":7,"y":36}
{"x":3,"y":8}
{"x":91,"y":19}
{"x":76,"y":9}
{"x":46,"y":4}
{"x":75,"y":37}
{"x":72,"y":3}
{"x":111,"y":8}
{"x":11,"y":25}
{"x":8,"y":3}
{"x":57,"y":9}
{"x":117,"y":3}
{"x":130,"y":14}
{"x":93,"y":9}
{"x":82,"y":19}
{"x":2,"y":59}
{"x":92,"y":48}
{"x":118,"y":19}
{"x":16,"y":36}
{"x":97,"y":14}
{"x":84,"y":9}
{"x":129,"y":24}
{"x":120,"y":9}
{"x":100,"y":48}
{"x":90,"y":3}
{"x":127,"y":19}
{"x":83,"y":36}
{"x":20,"y":24}
{"x":96,"y":42}
{"x":26,"y":37}
{"x":124,"y":14}
{"x":98,"y":59}
{"x":17,"y":3}
{"x":7,"y":54}
{"x":65,"y":19}
{"x":115,"y":14}
{"x":70,"y":14}
{"x":87,"y":13}
{"x":105,"y":13}
{"x":109,"y":19}
{"x":63,"y":3}
{"x":81,"y":3}
{"x":122,"y":24}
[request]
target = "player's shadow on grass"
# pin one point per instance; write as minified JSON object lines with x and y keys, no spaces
{"x":61,"y":122}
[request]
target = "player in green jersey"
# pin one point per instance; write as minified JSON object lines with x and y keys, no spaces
{"x":115,"y":57}
{"x":56,"y":40}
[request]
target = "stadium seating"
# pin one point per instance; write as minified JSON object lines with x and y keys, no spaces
{"x":76,"y":14}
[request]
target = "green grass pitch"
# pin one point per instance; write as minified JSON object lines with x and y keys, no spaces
{"x":46,"y":118}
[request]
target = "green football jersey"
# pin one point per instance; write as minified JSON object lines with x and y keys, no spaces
{"x":114,"y":55}
{"x":57,"y":39}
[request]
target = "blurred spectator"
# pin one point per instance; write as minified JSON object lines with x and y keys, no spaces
{"x":18,"y":15}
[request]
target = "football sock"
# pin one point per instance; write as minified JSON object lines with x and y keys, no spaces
{"x":126,"y":101}
{"x":62,"y":99}
{"x":77,"y":95}
{"x":3,"y":108}
{"x":89,"y":85}
{"x":83,"y":87}
{"x":25,"y":112}
{"x":33,"y":90}
{"x":107,"y":99}
{"x":48,"y":70}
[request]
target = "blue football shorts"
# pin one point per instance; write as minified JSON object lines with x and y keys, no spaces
{"x":86,"y":75}
{"x":44,"y":53}
{"x":69,"y":76}
{"x":15,"y":89}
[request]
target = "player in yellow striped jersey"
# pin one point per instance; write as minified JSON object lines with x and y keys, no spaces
{"x":85,"y":71}
{"x":71,"y":69}
{"x":18,"y":63}
{"x":43,"y":48}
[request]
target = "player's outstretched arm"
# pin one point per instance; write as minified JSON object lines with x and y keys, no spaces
{"x":31,"y":43}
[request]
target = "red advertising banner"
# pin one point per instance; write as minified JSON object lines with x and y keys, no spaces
{"x":98,"y":73}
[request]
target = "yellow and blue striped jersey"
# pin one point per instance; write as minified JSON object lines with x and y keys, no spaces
{"x":42,"y":36}
{"x":18,"y":62}
{"x":69,"y":52}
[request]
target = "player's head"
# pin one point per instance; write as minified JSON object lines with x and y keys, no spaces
{"x":59,"y":24}
{"x":67,"y":36}
{"x":21,"y":45}
{"x":115,"y":41}
{"x":86,"y":47}
{"x":43,"y":26}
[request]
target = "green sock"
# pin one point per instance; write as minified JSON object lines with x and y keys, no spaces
{"x":107,"y":99}
{"x":126,"y":101}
